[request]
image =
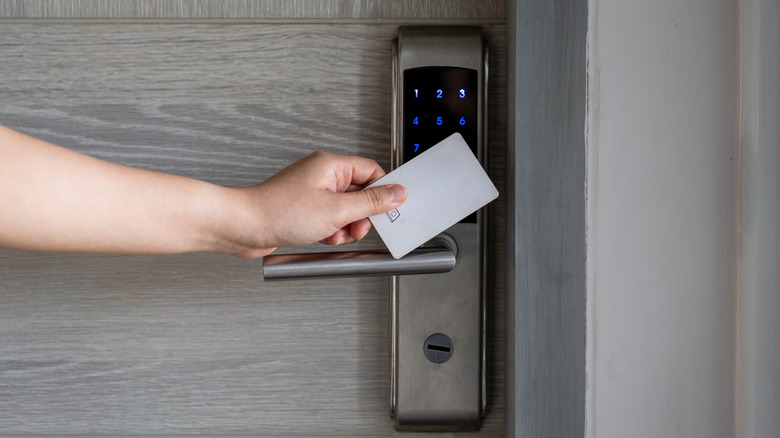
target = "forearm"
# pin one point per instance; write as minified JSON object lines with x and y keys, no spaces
{"x":55,"y":199}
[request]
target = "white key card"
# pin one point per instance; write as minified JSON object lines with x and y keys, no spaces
{"x":445,"y":184}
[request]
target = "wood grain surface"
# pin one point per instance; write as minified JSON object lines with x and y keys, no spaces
{"x":255,"y":9}
{"x":199,"y":343}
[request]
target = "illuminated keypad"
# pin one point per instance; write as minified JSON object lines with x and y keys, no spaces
{"x":439,"y":101}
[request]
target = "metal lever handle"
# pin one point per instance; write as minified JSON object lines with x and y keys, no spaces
{"x":426,"y":260}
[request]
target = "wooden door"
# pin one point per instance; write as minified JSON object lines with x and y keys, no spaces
{"x":198,"y":343}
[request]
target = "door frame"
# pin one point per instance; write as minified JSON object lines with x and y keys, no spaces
{"x":546,"y":92}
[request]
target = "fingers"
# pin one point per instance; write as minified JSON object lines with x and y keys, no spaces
{"x":359,"y":229}
{"x":356,"y":207}
{"x":357,"y":172}
{"x":376,"y":200}
{"x":350,"y":233}
{"x":359,"y":206}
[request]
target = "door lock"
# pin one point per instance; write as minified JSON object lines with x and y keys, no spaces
{"x":438,"y":356}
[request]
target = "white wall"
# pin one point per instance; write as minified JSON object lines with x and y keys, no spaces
{"x":662,"y":173}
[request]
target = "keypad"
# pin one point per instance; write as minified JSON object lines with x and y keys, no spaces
{"x":439,"y":101}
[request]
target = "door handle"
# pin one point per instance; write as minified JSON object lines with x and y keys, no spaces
{"x":438,"y":256}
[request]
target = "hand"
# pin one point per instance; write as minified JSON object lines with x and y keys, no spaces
{"x":318,"y":198}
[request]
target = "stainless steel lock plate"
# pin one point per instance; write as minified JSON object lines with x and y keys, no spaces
{"x":438,"y":370}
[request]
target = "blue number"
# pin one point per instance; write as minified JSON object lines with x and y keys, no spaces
{"x":415,"y":121}
{"x":416,"y":93}
{"x":439,"y":120}
{"x":462,"y":93}
{"x":462,"y":121}
{"x":439,"y":94}
{"x":416,"y":146}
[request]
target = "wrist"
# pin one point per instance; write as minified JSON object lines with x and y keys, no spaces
{"x":231,"y":222}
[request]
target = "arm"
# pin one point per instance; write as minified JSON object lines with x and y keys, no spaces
{"x":54,"y":199}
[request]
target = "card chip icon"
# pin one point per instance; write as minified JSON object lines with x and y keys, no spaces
{"x":393,"y":215}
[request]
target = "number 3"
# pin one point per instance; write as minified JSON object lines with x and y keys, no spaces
{"x":462,"y":93}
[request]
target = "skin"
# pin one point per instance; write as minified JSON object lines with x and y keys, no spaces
{"x":55,"y":199}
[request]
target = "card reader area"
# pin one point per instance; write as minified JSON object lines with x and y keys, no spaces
{"x":437,"y":102}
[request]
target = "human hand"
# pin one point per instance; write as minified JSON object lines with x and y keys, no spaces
{"x":318,"y":198}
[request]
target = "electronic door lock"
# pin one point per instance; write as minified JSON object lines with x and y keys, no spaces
{"x":438,"y":357}
{"x":438,"y":378}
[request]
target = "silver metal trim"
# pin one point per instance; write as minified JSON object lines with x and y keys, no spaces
{"x":395,"y":160}
{"x":483,"y":219}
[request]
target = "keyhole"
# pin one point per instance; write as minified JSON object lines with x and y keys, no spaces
{"x":443,"y":348}
{"x":438,"y":348}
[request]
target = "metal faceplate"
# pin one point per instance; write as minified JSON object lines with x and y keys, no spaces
{"x":438,"y":346}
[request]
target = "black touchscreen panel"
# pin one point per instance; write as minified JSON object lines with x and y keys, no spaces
{"x":439,"y":101}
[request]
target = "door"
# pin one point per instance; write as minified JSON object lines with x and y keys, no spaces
{"x":198,"y":343}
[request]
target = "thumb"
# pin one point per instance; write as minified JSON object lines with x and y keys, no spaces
{"x":379,"y":199}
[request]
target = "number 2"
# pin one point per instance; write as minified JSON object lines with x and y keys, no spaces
{"x":439,"y":94}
